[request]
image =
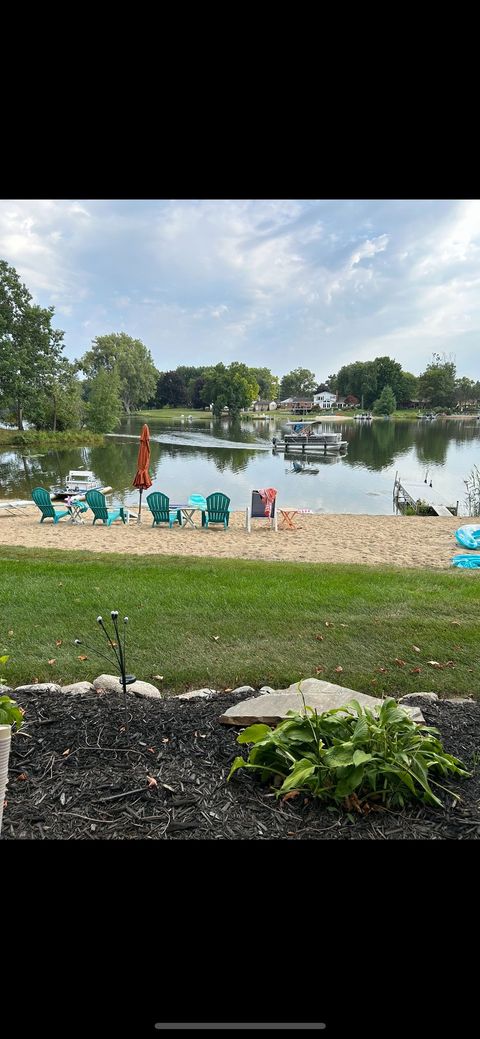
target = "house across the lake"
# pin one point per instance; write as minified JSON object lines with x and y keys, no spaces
{"x":264,"y":405}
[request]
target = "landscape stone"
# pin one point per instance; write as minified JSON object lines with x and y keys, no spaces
{"x":413,"y":696}
{"x":207,"y":694}
{"x":39,"y":687}
{"x":243,"y":689}
{"x":112,"y":684}
{"x":272,"y":707}
{"x":78,"y":688}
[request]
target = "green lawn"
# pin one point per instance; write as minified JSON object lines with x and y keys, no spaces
{"x":267,"y":617}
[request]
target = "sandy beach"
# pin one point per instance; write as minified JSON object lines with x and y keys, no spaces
{"x":407,"y":541}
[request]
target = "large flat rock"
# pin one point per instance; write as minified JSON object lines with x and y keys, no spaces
{"x":112,"y":684}
{"x":272,"y":707}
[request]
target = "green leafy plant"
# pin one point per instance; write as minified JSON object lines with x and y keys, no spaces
{"x":10,"y":713}
{"x":375,"y":756}
{"x":3,"y":661}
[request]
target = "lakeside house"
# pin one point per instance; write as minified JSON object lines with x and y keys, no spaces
{"x":264,"y":405}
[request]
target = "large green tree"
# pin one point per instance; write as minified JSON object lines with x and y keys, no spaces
{"x":30,"y":348}
{"x":360,"y":380}
{"x":232,"y":388}
{"x":131,"y":360}
{"x":59,"y":405}
{"x":171,"y":390}
{"x":299,"y":383}
{"x":436,"y":384}
{"x":466,"y":391}
{"x":268,"y":384}
{"x":104,"y":406}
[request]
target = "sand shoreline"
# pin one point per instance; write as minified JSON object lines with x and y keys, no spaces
{"x":405,"y":541}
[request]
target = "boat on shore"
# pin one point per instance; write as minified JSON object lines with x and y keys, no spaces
{"x":363,"y":418}
{"x":78,"y":482}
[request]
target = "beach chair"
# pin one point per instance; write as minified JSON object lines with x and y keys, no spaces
{"x":258,"y":510}
{"x":42,"y":498}
{"x":98,"y":504}
{"x":217,"y":510}
{"x":159,"y":505}
{"x":198,"y":501}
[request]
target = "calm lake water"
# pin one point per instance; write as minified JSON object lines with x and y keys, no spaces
{"x":203,"y":456}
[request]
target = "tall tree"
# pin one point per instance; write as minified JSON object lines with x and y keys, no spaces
{"x":268,"y":384}
{"x":408,"y":388}
{"x":231,"y":388}
{"x":59,"y":405}
{"x":386,"y":403}
{"x":29,"y":347}
{"x":171,"y":390}
{"x":104,"y":405}
{"x":465,"y":391}
{"x":131,"y":360}
{"x":389,"y":373}
{"x":299,"y":383}
{"x":437,"y":383}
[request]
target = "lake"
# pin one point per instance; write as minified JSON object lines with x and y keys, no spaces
{"x":206,"y":455}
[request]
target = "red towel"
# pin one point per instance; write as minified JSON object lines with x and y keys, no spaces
{"x":268,"y":495}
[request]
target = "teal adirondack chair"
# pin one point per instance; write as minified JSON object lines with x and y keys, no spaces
{"x":42,"y":498}
{"x":159,"y":505}
{"x":98,"y":504}
{"x":217,"y":509}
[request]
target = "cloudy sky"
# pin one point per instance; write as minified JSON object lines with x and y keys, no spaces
{"x":281,"y":283}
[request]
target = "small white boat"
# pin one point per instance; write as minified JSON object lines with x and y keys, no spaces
{"x":78,"y":481}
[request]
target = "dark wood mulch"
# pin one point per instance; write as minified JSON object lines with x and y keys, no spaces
{"x":74,"y":775}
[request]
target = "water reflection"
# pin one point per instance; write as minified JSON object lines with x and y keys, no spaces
{"x":209,"y":455}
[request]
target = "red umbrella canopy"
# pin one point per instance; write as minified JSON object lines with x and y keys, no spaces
{"x":142,"y":475}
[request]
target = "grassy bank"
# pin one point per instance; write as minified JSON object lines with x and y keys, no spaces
{"x":221,"y":623}
{"x":44,"y":438}
{"x":169,"y":414}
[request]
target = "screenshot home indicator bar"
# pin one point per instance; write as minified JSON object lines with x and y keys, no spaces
{"x":241,"y":1025}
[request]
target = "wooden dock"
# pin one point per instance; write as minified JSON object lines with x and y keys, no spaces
{"x":414,"y":494}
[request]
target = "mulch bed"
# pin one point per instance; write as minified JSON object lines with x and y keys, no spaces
{"x":74,"y":775}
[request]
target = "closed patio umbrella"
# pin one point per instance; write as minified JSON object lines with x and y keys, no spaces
{"x":142,"y":476}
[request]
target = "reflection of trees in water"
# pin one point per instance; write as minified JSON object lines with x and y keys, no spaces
{"x":20,"y":473}
{"x":432,"y":442}
{"x":115,"y":464}
{"x":378,"y":445}
{"x":223,"y":458}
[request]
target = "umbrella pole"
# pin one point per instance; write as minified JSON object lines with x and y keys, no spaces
{"x":140,"y":507}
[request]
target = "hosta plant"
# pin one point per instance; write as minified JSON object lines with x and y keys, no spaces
{"x":380,"y":756}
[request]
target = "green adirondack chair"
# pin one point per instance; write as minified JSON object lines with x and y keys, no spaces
{"x":159,"y":505}
{"x":42,"y":498}
{"x":98,"y":504}
{"x":217,"y":509}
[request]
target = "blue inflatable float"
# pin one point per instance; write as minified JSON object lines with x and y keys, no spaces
{"x":469,"y":562}
{"x":468,"y":536}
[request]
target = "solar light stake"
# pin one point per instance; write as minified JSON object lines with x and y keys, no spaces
{"x":119,"y":656}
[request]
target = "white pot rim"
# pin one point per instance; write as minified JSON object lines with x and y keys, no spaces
{"x":5,"y":732}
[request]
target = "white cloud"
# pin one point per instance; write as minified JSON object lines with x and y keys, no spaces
{"x":281,"y":282}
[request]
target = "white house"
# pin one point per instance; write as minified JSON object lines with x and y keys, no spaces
{"x":325,"y":399}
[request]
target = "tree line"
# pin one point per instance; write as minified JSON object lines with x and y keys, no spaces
{"x":117,"y":375}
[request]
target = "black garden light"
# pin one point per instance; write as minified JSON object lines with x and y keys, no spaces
{"x":118,"y":651}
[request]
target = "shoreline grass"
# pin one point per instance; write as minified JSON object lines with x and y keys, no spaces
{"x":46,"y":438}
{"x":221,"y":623}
